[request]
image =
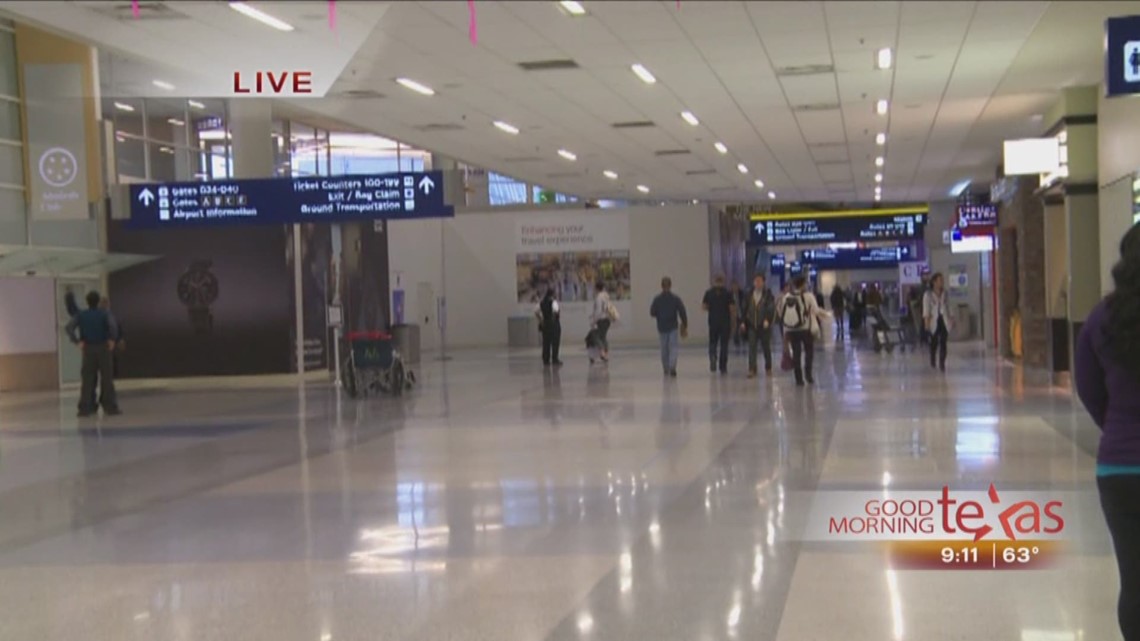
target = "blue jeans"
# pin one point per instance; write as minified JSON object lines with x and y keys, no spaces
{"x":669,"y":345}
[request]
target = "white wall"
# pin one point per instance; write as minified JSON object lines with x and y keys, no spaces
{"x":414,"y":249}
{"x":479,"y":278}
{"x":942,"y":213}
{"x":1118,"y":156}
{"x":27,"y":316}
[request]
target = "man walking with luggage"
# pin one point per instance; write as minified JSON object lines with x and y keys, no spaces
{"x":669,"y":311}
{"x":756,"y":322}
{"x":93,"y":329}
{"x":721,"y":307}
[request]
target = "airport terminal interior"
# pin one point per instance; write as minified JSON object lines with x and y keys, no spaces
{"x":542,"y":320}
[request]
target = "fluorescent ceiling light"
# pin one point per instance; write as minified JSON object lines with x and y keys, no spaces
{"x":759,"y":183}
{"x":568,"y":155}
{"x":162,"y":84}
{"x":195,"y":104}
{"x":742,"y":168}
{"x":881,"y":139}
{"x":772,"y":195}
{"x":957,"y":189}
{"x":878,"y":197}
{"x":612,"y":175}
{"x":721,"y":147}
{"x":878,"y":178}
{"x":123,"y":106}
{"x":260,"y":16}
{"x":881,"y":107}
{"x":883,"y":58}
{"x":416,"y":87}
{"x":573,"y":8}
{"x":688,"y":117}
{"x":879,"y":161}
{"x":506,"y":126}
{"x":176,"y":122}
{"x":643,"y":73}
{"x":643,"y":189}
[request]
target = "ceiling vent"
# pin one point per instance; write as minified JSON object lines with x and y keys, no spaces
{"x":439,"y":126}
{"x":816,"y":106}
{"x":827,"y":145}
{"x":825,"y":163}
{"x":359,"y":94}
{"x":637,"y":124}
{"x":147,"y":11}
{"x":700,"y":172}
{"x":548,"y":65}
{"x":672,"y":152}
{"x":733,"y":188}
{"x":565,"y":174}
{"x":525,"y":159}
{"x":804,"y":70}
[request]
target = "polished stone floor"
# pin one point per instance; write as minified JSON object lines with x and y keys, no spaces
{"x":503,"y":502}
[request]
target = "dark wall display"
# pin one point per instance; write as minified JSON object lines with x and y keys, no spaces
{"x":317,"y":272}
{"x":807,"y":228}
{"x":861,"y":258}
{"x":216,"y":302}
{"x":364,"y":284}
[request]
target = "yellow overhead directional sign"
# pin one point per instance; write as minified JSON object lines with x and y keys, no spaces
{"x":848,"y":213}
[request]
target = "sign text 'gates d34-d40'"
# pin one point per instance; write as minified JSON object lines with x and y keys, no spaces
{"x":270,"y":201}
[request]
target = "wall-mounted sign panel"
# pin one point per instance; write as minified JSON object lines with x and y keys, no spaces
{"x":813,"y":228}
{"x":1031,"y":156}
{"x":978,"y":215}
{"x":864,"y":258}
{"x":275,"y":201}
{"x":1122,"y":56}
{"x":964,"y":244}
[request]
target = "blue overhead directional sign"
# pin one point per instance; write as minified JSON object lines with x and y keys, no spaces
{"x":275,"y":201}
{"x":861,"y":258}
{"x":811,"y":228}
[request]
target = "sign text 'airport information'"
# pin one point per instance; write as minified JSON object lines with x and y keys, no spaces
{"x":830,"y":227}
{"x":290,"y":200}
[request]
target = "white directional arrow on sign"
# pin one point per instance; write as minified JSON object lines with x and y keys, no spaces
{"x":146,"y":197}
{"x":426,"y":185}
{"x":759,"y":228}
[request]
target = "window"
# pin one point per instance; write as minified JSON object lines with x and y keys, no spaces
{"x":504,"y":190}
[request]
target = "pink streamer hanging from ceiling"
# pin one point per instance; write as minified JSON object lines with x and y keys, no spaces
{"x":472,"y":28}
{"x":135,"y":8}
{"x":332,"y":14}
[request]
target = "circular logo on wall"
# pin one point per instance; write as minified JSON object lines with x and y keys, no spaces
{"x":58,"y":167}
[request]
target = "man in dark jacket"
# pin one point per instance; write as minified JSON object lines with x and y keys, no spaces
{"x":721,"y":307}
{"x":93,"y":329}
{"x":669,"y":311}
{"x":758,"y":317}
{"x":549,"y":317}
{"x":838,"y":306}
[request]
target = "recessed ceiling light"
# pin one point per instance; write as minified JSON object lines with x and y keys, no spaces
{"x":612,"y":175}
{"x":720,"y":146}
{"x":688,"y":117}
{"x":568,"y":155}
{"x":878,"y":178}
{"x":643,"y":189}
{"x":416,"y":86}
{"x":176,"y":122}
{"x":881,"y":139}
{"x":260,"y":16}
{"x":507,"y":127}
{"x":742,"y":168}
{"x":573,"y":8}
{"x":759,"y":183}
{"x":123,"y":106}
{"x":878,"y":197}
{"x":883,"y":58}
{"x":195,"y":104}
{"x":881,"y":107}
{"x":879,"y":161}
{"x":162,"y":84}
{"x":643,"y":73}
{"x":772,"y":195}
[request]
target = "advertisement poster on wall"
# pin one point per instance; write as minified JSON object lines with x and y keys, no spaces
{"x":57,"y":147}
{"x":317,"y":289}
{"x":364,"y":284}
{"x":570,"y":254}
{"x":216,"y":303}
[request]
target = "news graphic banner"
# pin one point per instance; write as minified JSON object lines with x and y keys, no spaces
{"x":995,"y":529}
{"x":814,"y":227}
{"x":276,"y":201}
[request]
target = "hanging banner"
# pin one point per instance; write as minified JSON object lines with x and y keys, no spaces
{"x":56,"y":143}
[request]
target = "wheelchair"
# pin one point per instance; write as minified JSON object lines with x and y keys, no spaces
{"x":374,"y":366}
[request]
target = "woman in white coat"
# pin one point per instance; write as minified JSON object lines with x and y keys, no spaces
{"x":936,"y":317}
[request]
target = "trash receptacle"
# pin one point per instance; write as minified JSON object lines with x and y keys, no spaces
{"x":407,"y":340}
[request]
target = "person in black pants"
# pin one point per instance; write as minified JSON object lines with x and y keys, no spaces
{"x":936,"y":318}
{"x":94,"y":330}
{"x":721,"y":307}
{"x":758,"y":315}
{"x":799,"y":313}
{"x":550,"y":324}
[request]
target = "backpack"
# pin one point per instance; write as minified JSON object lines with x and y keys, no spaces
{"x":794,"y":313}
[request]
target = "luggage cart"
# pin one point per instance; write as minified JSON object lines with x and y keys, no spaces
{"x":883,"y":335}
{"x":374,"y":365}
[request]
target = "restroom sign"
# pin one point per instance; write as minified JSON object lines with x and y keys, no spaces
{"x":1122,"y":56}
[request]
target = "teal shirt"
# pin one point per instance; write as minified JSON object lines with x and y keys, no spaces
{"x":1104,"y":469}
